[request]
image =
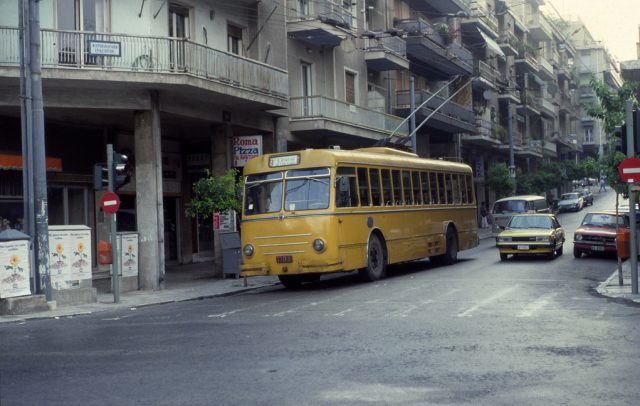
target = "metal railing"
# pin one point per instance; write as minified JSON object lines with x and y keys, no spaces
{"x":70,"y":49}
{"x":323,"y":10}
{"x":539,"y":19}
{"x":477,"y":11}
{"x":529,"y":57}
{"x":394,"y":45}
{"x":483,"y":127}
{"x":508,"y":37}
{"x":511,"y":91}
{"x":485,"y":71}
{"x":450,"y":108}
{"x":314,"y":107}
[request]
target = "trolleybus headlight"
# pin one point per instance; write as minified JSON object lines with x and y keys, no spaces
{"x":579,"y":237}
{"x":318,"y":245}
{"x":248,"y":250}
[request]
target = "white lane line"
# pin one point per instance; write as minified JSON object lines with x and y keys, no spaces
{"x":405,"y":312}
{"x":537,"y":305}
{"x":343,"y":312}
{"x":314,"y":304}
{"x":486,"y":301}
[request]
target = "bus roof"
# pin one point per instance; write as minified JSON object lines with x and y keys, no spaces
{"x":381,"y":156}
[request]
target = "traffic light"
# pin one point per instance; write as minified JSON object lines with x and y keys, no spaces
{"x":621,"y":132}
{"x":100,"y":176}
{"x":121,"y":170}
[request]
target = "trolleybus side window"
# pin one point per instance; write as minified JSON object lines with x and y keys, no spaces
{"x":349,"y":197}
{"x":397,"y":187}
{"x":424,"y":176}
{"x":463,"y":189}
{"x":434,"y":187}
{"x":456,"y":189}
{"x":386,"y":187}
{"x":363,"y":183}
{"x":441,"y":189}
{"x":406,"y":181}
{"x":447,"y":180}
{"x":376,"y":191}
{"x":415,"y":179}
{"x":263,"y":194}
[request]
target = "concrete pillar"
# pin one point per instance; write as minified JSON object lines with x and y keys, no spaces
{"x":149,"y":207}
{"x":221,"y":135}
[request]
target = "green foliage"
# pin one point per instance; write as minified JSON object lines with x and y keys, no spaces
{"x":591,"y":168}
{"x":549,"y":177}
{"x":215,"y":193}
{"x":523,"y":183}
{"x":499,"y":180}
{"x":611,"y":110}
{"x":575,"y":171}
{"x":447,"y":32}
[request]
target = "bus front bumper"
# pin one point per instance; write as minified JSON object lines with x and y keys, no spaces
{"x":303,"y":267}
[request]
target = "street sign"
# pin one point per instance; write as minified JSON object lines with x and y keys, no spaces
{"x":630,"y":170}
{"x":110,"y":202}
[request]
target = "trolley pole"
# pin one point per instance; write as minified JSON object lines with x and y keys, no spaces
{"x":412,"y":121}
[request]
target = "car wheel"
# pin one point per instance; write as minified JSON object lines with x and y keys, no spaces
{"x":576,"y":253}
{"x":503,"y":257}
{"x":559,"y":250}
{"x":551,"y":255}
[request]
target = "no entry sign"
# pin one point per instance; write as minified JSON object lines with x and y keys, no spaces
{"x":110,"y":202}
{"x":630,"y":170}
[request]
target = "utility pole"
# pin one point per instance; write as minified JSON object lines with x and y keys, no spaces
{"x":512,"y":166}
{"x":41,"y":246}
{"x":412,"y":121}
{"x":632,"y":202}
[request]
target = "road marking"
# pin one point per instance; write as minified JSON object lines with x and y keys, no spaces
{"x":350,"y":292}
{"x":537,"y":305}
{"x":493,"y":298}
{"x":405,"y":312}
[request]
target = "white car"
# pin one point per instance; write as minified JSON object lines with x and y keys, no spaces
{"x":570,"y":202}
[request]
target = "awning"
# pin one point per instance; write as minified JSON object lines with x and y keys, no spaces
{"x":15,"y":162}
{"x":538,"y":80}
{"x":493,"y":45}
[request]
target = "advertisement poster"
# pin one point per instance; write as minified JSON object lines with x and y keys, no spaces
{"x":224,"y":222}
{"x":246,"y":148}
{"x":129,"y":254}
{"x":60,"y":256}
{"x":80,"y":254}
{"x":14,"y":269}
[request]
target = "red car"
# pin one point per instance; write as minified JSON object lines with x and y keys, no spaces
{"x":597,"y":233}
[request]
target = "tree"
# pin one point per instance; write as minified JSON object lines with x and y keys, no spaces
{"x":216,"y":193}
{"x":611,"y":110}
{"x":575,"y":172}
{"x":590,"y":166}
{"x":499,"y":180}
{"x":523,"y":183}
{"x":549,"y":177}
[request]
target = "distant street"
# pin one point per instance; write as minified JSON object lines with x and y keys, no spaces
{"x":526,"y":331}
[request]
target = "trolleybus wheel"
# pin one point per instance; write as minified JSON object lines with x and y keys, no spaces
{"x":376,"y":268}
{"x":450,"y":255}
{"x":291,"y":281}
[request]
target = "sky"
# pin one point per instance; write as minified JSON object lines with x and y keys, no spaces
{"x":614,"y":22}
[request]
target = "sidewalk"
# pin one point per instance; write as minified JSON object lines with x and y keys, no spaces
{"x":183,"y":282}
{"x":612,"y":289}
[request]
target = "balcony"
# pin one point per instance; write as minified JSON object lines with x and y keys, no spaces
{"x":531,"y":149}
{"x":173,"y":64}
{"x":386,"y":53}
{"x":587,"y":121}
{"x":484,"y":134}
{"x":503,"y":135}
{"x":508,"y":42}
{"x":549,"y":149}
{"x":529,"y":105}
{"x":526,"y":61}
{"x":555,"y":58}
{"x":320,"y":22}
{"x":443,"y":7}
{"x":511,"y":94}
{"x":322,"y":116}
{"x":545,"y":70}
{"x":488,"y":79}
{"x":547,"y":108}
{"x":428,"y":46}
{"x":539,"y":28}
{"x":563,"y":73}
{"x":451,"y":117}
{"x":480,"y":17}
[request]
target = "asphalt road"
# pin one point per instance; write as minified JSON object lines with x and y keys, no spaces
{"x":526,"y":331}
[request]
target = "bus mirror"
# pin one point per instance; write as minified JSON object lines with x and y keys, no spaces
{"x":343,"y":183}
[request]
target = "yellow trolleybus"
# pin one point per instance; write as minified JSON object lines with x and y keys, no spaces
{"x":312,"y":212}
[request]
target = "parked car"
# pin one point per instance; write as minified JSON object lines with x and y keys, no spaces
{"x":570,"y":201}
{"x":586,"y":196}
{"x":531,"y":234}
{"x":504,"y":209}
{"x":597,"y":232}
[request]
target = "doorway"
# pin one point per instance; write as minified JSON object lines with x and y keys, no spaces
{"x":171,"y":230}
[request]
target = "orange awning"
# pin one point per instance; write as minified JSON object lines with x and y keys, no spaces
{"x":15,"y":162}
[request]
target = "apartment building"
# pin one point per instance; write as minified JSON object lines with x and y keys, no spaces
{"x":630,"y":70}
{"x":193,"y":77}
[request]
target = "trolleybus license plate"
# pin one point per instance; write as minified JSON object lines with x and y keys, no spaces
{"x":284,"y":259}
{"x":523,"y":248}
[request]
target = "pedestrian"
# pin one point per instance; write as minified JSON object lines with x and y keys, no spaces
{"x":602,"y":185}
{"x":483,"y":213}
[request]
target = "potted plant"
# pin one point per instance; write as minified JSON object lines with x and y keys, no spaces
{"x":447,"y":32}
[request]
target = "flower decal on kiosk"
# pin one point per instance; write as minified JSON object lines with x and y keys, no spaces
{"x":14,"y":260}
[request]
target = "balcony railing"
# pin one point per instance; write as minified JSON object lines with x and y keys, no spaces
{"x":323,"y":10}
{"x":395,"y":45}
{"x":485,"y":71}
{"x":535,"y":19}
{"x":316,"y":107}
{"x":481,"y":13}
{"x":449,"y":108}
{"x":545,"y":64}
{"x":70,"y":49}
{"x":483,"y":127}
{"x":528,"y":56}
